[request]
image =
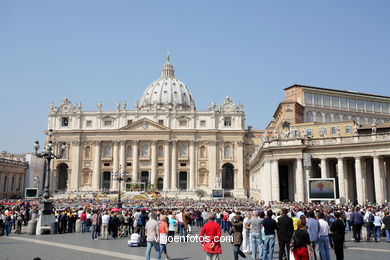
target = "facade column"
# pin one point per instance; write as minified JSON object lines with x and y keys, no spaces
{"x":299,"y":181}
{"x":341,"y":178}
{"x":166,"y":182}
{"x":174,"y":166}
{"x":359,"y":180}
{"x":115,"y":166}
{"x":266,"y":183}
{"x":378,"y":181}
{"x":122,"y":161}
{"x":213,"y":145}
{"x":192,"y":166}
{"x":96,"y":172}
{"x":241,"y":165}
{"x":135,"y":161}
{"x":324,"y":168}
{"x":275,"y":180}
{"x":154,"y":163}
{"x":364,"y":179}
{"x":75,"y":179}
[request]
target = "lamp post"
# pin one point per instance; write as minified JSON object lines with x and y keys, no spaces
{"x":48,"y":155}
{"x":119,"y":176}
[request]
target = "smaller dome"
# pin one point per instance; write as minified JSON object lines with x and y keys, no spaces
{"x":167,"y":92}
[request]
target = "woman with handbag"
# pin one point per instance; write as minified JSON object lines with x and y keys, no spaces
{"x":300,"y":247}
{"x":210,"y":238}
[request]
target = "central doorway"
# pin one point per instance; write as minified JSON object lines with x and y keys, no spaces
{"x":106,"y":183}
{"x":183,"y":180}
{"x":145,"y":178}
{"x":62,"y":170}
{"x":227,"y":176}
{"x":283,"y":182}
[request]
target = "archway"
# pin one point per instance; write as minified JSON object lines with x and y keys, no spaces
{"x":62,"y":172}
{"x":160,"y":184}
{"x":228,"y":176}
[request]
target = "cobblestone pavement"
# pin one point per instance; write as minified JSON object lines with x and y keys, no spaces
{"x":81,"y":246}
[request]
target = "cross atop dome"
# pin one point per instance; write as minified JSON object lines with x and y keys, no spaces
{"x":167,"y":69}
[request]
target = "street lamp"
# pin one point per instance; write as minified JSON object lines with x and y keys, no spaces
{"x":119,"y":176}
{"x":48,"y":155}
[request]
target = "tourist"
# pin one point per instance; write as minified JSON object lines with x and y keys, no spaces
{"x":172,"y":228}
{"x":386,"y":222}
{"x":323,"y":240}
{"x":246,"y":234}
{"x":377,"y":223}
{"x":301,"y":247}
{"x":357,"y":223}
{"x":236,"y":231}
{"x":338,"y":229}
{"x":254,"y":225}
{"x":285,"y":232}
{"x":211,"y":233}
{"x":135,"y":238}
{"x":152,"y":236}
{"x":270,"y":226}
{"x":94,"y":222}
{"x":163,"y":229}
{"x":313,"y":228}
{"x":105,"y":222}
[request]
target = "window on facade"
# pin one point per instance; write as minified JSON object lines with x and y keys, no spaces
{"x":128,"y":164}
{"x":322,"y":131}
{"x":377,"y":107}
{"x":368,"y":106}
{"x":336,"y":118}
{"x":129,"y":122}
{"x":129,"y":151}
{"x":345,"y":118}
{"x":360,"y":105}
{"x":308,"y":98}
{"x":107,"y":122}
{"x":182,"y":122}
{"x":333,"y":130}
{"x":309,"y":116}
{"x":88,"y":123}
{"x":317,"y":99}
{"x":107,"y":151}
{"x":227,"y":151}
{"x":344,"y":103}
{"x":335,"y":102}
{"x":319,"y":117}
{"x":65,"y":121}
{"x":160,"y":164}
{"x":370,"y":121}
{"x":309,"y":132}
{"x":160,"y":151}
{"x":352,"y":104}
{"x":348,"y":129}
{"x":87,"y":151}
{"x":203,"y":123}
{"x":183,"y":164}
{"x":144,"y":150}
{"x":161,"y":122}
{"x":183,"y":151}
{"x":328,"y":118}
{"x":326,"y":100}
{"x":385,"y":108}
{"x":202,"y":151}
{"x":106,"y":164}
{"x":227,"y":121}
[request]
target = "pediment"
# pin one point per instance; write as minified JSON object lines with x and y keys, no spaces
{"x":144,"y":124}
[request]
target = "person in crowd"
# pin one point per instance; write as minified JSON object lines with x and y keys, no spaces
{"x":313,"y":228}
{"x":254,"y":225}
{"x":236,"y":231}
{"x":246,"y":234}
{"x":152,"y":236}
{"x":94,"y":222}
{"x":357,"y":223}
{"x":163,"y":229}
{"x":212,"y":231}
{"x":173,"y":226}
{"x":295,"y":220}
{"x":270,"y":227}
{"x":369,"y":223}
{"x":386,"y":222}
{"x":301,"y":244}
{"x":135,"y":238}
{"x":377,"y":223}
{"x":105,"y":222}
{"x":323,"y":240}
{"x":338,"y":229}
{"x":285,"y":232}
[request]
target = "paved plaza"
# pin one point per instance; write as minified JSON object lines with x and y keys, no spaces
{"x":80,"y":246}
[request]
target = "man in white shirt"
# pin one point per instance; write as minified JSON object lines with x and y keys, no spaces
{"x":105,"y":221}
{"x":323,"y":240}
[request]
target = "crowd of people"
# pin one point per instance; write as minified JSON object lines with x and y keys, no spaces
{"x":303,"y":230}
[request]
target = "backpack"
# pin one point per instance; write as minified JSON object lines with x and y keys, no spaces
{"x":139,"y":221}
{"x":371,"y":218}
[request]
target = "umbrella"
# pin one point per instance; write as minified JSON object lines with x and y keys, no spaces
{"x":115,"y":210}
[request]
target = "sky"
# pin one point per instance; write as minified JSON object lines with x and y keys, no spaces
{"x":107,"y":51}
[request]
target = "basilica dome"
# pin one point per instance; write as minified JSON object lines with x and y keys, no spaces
{"x":166,"y":93}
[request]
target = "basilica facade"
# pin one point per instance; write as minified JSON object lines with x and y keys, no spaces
{"x":164,"y":142}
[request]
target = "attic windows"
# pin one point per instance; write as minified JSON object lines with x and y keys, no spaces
{"x":107,"y":122}
{"x":227,"y":121}
{"x":65,"y":121}
{"x":182,"y":122}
